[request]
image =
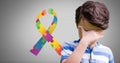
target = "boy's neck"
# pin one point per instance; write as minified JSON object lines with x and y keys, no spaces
{"x":92,"y":44}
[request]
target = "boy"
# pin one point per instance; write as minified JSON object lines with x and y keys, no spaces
{"x":92,"y":18}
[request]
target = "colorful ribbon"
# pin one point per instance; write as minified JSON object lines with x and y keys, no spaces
{"x":46,"y":34}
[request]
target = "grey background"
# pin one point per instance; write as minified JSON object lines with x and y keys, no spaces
{"x":18,"y":32}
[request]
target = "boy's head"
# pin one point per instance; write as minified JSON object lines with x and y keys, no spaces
{"x":93,"y":14}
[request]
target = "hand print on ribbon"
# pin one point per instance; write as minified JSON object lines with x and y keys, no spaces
{"x":46,"y":34}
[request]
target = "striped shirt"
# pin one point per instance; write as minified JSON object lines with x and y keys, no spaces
{"x":99,"y":54}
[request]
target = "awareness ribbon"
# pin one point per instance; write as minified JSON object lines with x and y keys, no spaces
{"x":46,"y":34}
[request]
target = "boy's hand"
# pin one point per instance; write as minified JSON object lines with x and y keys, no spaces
{"x":89,"y":36}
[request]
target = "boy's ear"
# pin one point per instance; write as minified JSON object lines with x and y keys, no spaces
{"x":80,"y":23}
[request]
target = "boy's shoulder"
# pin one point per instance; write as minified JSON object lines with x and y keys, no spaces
{"x":71,"y":43}
{"x":103,"y":48}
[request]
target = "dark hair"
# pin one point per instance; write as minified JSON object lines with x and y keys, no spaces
{"x":96,"y":13}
